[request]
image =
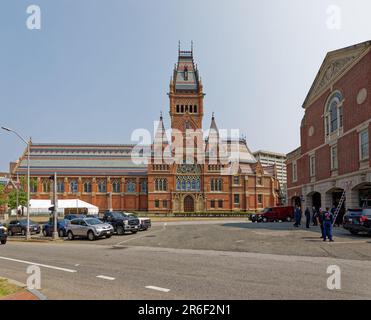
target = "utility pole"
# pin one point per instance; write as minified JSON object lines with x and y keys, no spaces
{"x":55,"y":207}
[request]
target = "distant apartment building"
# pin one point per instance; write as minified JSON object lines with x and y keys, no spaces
{"x":269,"y":159}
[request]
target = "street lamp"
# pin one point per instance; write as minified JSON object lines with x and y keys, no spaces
{"x":28,"y":234}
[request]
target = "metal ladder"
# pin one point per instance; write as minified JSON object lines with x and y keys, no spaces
{"x":342,"y":199}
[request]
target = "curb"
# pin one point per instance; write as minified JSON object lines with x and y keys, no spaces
{"x":28,"y":294}
{"x":11,"y":239}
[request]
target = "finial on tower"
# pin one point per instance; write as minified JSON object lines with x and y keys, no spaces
{"x":161,"y":115}
{"x":179,"y":46}
{"x":192,"y":46}
{"x":213,"y":115}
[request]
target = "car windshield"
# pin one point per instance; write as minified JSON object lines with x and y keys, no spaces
{"x":24,"y":222}
{"x":117,"y":215}
{"x":92,"y":221}
{"x":264,"y":210}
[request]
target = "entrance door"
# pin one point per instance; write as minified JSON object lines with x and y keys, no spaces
{"x":189,"y":204}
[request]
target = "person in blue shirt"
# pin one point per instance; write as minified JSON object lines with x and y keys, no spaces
{"x":297,"y":216}
{"x":328,"y":220}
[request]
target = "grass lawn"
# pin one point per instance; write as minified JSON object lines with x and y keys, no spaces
{"x":7,"y":288}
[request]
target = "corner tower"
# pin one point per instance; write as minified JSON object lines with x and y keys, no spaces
{"x":186,"y":94}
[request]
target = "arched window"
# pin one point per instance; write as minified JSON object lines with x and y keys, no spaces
{"x":143,"y":186}
{"x":130,"y":187}
{"x":73,"y":186}
{"x":102,"y":186}
{"x":116,"y":186}
{"x":46,"y":186}
{"x":60,"y":186}
{"x":334,"y":113}
{"x":87,"y":187}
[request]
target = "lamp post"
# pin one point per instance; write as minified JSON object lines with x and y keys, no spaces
{"x":28,"y":234}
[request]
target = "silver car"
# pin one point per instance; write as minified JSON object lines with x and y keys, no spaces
{"x":90,"y":228}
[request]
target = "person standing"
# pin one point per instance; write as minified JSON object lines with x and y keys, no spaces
{"x":328,"y":220}
{"x":297,"y":216}
{"x":314,"y":216}
{"x":307,"y":216}
{"x":320,"y":221}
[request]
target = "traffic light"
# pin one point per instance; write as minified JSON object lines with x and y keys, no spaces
{"x":52,"y":208}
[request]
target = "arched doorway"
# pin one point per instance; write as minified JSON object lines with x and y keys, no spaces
{"x":189,"y":204}
{"x":316,"y":201}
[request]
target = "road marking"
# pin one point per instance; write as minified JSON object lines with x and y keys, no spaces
{"x":76,"y":265}
{"x":240,"y":240}
{"x":158,"y":288}
{"x":142,"y":236}
{"x":39,"y":264}
{"x":106,"y":277}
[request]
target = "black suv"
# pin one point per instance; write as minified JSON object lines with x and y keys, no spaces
{"x":358,"y":220}
{"x":16,"y":227}
{"x":3,"y":234}
{"x":121,"y":222}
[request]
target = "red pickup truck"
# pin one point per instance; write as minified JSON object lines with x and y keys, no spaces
{"x":274,"y":214}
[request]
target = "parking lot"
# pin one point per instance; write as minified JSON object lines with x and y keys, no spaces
{"x":215,"y":259}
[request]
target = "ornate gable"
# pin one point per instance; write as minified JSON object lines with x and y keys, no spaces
{"x":333,"y":67}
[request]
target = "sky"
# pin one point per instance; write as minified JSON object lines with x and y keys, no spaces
{"x":99,"y":69}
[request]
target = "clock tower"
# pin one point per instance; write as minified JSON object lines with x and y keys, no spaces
{"x":186,"y":94}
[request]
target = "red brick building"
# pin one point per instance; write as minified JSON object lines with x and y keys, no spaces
{"x":334,"y":152}
{"x":107,"y":176}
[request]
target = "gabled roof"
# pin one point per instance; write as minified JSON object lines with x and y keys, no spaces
{"x":335,"y":64}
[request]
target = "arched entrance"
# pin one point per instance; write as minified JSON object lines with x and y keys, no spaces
{"x":189,"y":204}
{"x":316,"y":201}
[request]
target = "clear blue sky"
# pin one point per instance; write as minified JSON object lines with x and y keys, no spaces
{"x":99,"y":69}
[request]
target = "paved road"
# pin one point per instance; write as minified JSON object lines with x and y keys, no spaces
{"x":229,"y":260}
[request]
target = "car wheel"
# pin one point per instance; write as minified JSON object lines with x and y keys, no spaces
{"x":70,"y":235}
{"x":288,"y":219}
{"x":354,"y":232}
{"x":91,"y":236}
{"x":3,"y":241}
{"x":107,"y":237}
{"x":61,"y":234}
{"x":120,"y":230}
{"x":265,"y":220}
{"x":23,"y":232}
{"x":134,"y":232}
{"x":10,"y":233}
{"x":44,"y":233}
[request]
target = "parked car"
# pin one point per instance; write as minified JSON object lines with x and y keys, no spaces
{"x":20,"y":227}
{"x":357,"y":220}
{"x":90,"y":228}
{"x":144,"y":223}
{"x":274,"y":214}
{"x":121,"y":222}
{"x":48,"y":228}
{"x":3,"y":234}
{"x":74,"y":216}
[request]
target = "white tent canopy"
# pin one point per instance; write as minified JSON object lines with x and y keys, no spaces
{"x":42,"y":206}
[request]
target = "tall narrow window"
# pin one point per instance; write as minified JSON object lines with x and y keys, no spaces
{"x":312,"y":165}
{"x":102,"y":186}
{"x":60,"y":186}
{"x":334,"y":157}
{"x":87,"y":187}
{"x":364,"y":145}
{"x":334,"y":113}
{"x":195,"y":109}
{"x":294,"y":171}
{"x":177,"y":108}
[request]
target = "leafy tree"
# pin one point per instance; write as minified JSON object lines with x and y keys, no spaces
{"x":12,"y":198}
{"x":3,"y":196}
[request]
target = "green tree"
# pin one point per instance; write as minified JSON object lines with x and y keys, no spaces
{"x":3,"y":196}
{"x":12,"y":199}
